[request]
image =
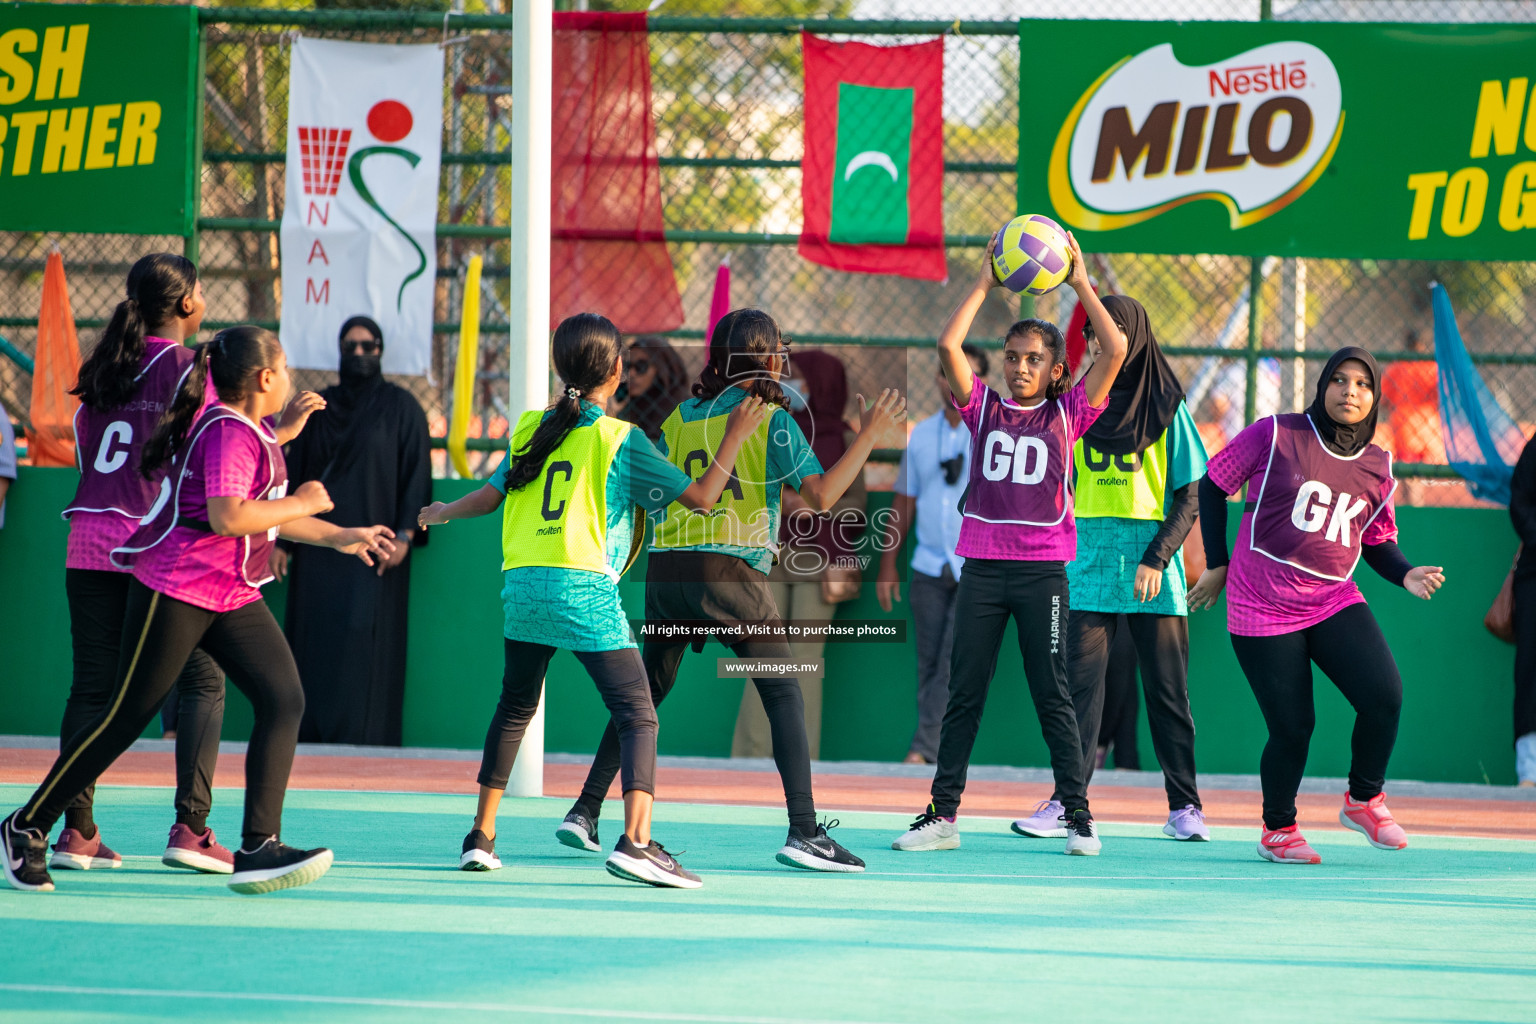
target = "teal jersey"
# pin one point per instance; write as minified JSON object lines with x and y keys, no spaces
{"x":790,"y":461}
{"x":1109,"y":548}
{"x":574,"y":609}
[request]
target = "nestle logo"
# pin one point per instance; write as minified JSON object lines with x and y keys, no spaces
{"x":1258,"y":78}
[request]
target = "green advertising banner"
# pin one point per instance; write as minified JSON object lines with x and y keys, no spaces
{"x":1293,"y":139}
{"x":96,"y":118}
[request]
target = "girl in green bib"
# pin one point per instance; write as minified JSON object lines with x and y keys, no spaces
{"x":708,"y":568}
{"x":574,"y":489}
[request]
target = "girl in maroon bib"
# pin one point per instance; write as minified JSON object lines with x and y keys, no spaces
{"x":1322,"y":499}
{"x":1017,"y":535}
{"x":197,"y":561}
{"x":125,"y":386}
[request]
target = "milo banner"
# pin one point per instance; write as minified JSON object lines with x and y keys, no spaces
{"x":96,"y":118}
{"x":365,"y":129}
{"x":1294,"y":139}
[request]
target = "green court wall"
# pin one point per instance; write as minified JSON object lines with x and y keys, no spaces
{"x":1457,"y":679}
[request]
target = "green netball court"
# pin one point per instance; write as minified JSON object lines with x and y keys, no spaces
{"x":1003,"y":928}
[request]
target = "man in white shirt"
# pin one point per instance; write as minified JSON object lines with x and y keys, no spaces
{"x":933,"y":474}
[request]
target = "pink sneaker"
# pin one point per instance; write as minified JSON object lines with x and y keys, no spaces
{"x":1286,"y":846}
{"x":187,"y":849}
{"x":1372,"y":820}
{"x":75,"y":852}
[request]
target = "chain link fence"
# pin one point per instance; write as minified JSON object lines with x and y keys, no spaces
{"x":727,"y":101}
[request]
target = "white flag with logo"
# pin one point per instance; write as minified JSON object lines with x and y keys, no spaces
{"x":365,"y":129}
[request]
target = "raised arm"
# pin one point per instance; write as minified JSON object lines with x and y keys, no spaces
{"x":822,"y":490}
{"x":1102,"y":373}
{"x":956,"y":367}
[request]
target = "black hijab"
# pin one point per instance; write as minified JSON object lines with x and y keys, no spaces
{"x":1145,"y":394}
{"x":1340,"y":438}
{"x":361,"y":373}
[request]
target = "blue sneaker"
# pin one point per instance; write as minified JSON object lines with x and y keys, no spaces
{"x":1186,"y":824}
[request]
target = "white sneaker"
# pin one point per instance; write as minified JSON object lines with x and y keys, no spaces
{"x":1082,"y":835}
{"x":930,"y":831}
{"x":1525,"y":759}
{"x":1045,"y":823}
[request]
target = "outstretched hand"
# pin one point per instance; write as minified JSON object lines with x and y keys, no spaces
{"x":372,"y":544}
{"x":1422,"y":581}
{"x":887,"y":411}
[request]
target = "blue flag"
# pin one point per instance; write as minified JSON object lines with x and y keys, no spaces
{"x":1482,"y":442}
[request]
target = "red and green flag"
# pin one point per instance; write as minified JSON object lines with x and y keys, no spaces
{"x":873,"y":170}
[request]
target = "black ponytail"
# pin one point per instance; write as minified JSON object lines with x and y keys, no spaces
{"x":1055,"y":343}
{"x":157,"y":284}
{"x":585,"y":350}
{"x":741,"y":348}
{"x":234,"y":359}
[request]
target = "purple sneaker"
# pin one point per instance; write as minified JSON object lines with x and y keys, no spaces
{"x":1187,"y":823}
{"x":187,"y":849}
{"x":1046,"y":823}
{"x":74,"y":852}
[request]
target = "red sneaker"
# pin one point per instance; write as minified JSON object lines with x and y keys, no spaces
{"x":1286,"y":846}
{"x":75,"y":852}
{"x":1372,"y":820}
{"x":187,"y":849}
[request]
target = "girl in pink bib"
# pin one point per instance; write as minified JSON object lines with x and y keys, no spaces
{"x":1017,"y":535}
{"x":1320,"y":499}
{"x":198,"y":558}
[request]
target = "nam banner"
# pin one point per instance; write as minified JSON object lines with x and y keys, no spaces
{"x":1293,"y":139}
{"x":365,"y":130}
{"x":95,"y":118}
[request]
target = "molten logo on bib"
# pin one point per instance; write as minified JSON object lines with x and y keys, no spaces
{"x":1252,"y":132}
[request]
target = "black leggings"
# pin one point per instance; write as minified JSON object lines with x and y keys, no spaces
{"x":782,"y":701}
{"x":1162,"y":649}
{"x":702,"y":587}
{"x":159,"y":634}
{"x":97,"y":603}
{"x":1034,"y":595}
{"x":620,"y":680}
{"x":1349,"y":648}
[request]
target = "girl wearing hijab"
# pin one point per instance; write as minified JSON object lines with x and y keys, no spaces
{"x":655,"y":383}
{"x":1135,"y":502}
{"x":1322,"y":499}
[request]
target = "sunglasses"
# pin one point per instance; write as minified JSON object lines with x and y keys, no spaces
{"x":1088,"y":334}
{"x":368,"y":347}
{"x":639,"y":366}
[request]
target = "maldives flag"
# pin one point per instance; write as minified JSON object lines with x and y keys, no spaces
{"x":873,"y":171}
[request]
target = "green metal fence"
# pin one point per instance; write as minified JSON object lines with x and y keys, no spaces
{"x":727,"y":109}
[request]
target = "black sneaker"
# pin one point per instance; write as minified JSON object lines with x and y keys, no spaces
{"x":579,"y":832}
{"x":479,"y":853}
{"x":651,"y":865}
{"x":817,"y":852}
{"x":273,"y":866}
{"x":25,"y":851}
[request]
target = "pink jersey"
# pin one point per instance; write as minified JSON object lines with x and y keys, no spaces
{"x":226,"y":456}
{"x":1018,"y":503}
{"x":113,"y":495}
{"x":1295,"y":578}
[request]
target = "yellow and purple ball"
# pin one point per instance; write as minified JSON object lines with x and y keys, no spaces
{"x":1032,"y":255}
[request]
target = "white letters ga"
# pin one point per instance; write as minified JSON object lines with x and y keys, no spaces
{"x":1311,"y":509}
{"x":1027,"y":457}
